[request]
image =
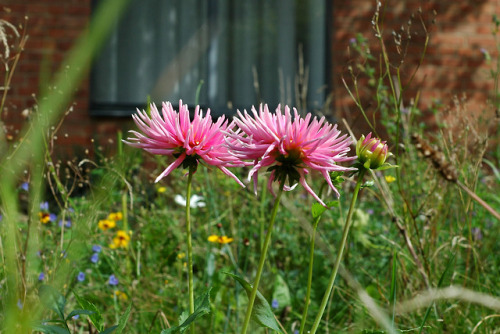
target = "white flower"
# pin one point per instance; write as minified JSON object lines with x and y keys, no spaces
{"x":196,"y":201}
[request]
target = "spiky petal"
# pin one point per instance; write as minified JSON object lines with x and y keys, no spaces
{"x":172,"y":133}
{"x":290,"y":146}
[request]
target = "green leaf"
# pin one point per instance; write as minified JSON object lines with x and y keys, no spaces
{"x":281,"y":293}
{"x":52,"y":299}
{"x":123,"y":319}
{"x":51,"y":329}
{"x":261,"y":312}
{"x":201,"y":307}
{"x":392,"y":296}
{"x":78,"y":312}
{"x":318,"y":209}
{"x":386,"y":166}
{"x":109,"y":330}
{"x":95,"y":317}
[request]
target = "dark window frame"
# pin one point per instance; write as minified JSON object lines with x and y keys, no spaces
{"x":118,"y":109}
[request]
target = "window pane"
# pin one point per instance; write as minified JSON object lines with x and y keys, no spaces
{"x":244,"y":52}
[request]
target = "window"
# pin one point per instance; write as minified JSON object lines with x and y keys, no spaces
{"x":243,"y":53}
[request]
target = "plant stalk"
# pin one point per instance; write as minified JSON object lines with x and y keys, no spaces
{"x":309,"y":276}
{"x":341,"y":251}
{"x":262,"y":260}
{"x":189,"y":245}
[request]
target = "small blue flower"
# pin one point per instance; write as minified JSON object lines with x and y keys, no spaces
{"x":96,"y":248}
{"x":67,"y":223}
{"x":81,"y":276}
{"x":113,"y":280}
{"x":25,"y":186}
{"x":275,"y":304}
{"x":52,"y":217}
{"x":44,"y":206}
{"x":476,"y":233}
{"x":94,"y":258}
{"x":41,"y":277}
{"x":75,"y":317}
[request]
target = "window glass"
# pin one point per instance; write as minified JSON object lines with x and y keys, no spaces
{"x":242,"y":53}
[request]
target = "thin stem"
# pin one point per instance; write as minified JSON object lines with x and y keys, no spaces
{"x":262,"y":260}
{"x":309,"y":276}
{"x":479,"y":200}
{"x":339,"y":256}
{"x":189,"y":245}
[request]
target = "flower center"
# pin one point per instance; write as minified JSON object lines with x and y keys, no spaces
{"x":293,"y":157}
{"x":287,"y":166}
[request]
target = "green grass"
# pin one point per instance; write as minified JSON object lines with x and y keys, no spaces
{"x":414,"y":234}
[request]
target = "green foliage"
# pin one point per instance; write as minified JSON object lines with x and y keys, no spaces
{"x":318,"y":209}
{"x":417,"y":232}
{"x":201,"y":307}
{"x":261,"y":312}
{"x":55,"y":301}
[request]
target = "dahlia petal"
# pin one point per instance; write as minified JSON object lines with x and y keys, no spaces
{"x":306,"y":143}
{"x":171,"y":167}
{"x":328,"y":179}
{"x":228,"y":173}
{"x":303,"y":182}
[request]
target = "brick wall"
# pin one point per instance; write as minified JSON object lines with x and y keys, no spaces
{"x":454,"y":63}
{"x":53,"y":27}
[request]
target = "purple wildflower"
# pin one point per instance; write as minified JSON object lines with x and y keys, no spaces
{"x":476,"y":233}
{"x":275,"y":304}
{"x":94,"y":258}
{"x":113,"y":280}
{"x":67,"y":223}
{"x":80,"y":277}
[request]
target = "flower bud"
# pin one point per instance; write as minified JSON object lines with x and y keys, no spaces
{"x":371,"y":152}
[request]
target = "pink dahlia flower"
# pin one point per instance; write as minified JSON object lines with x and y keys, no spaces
{"x":291,"y":146}
{"x":371,"y":151}
{"x":173,"y":133}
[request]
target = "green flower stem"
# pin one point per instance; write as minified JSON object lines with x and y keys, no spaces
{"x":189,"y":245}
{"x":267,"y":240}
{"x":309,"y":276}
{"x":340,"y":253}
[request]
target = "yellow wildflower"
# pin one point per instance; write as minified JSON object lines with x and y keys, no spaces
{"x":221,"y":240}
{"x":106,"y":224}
{"x":161,"y":190}
{"x":44,"y":217}
{"x":121,"y":239}
{"x":121,"y":295}
{"x":116,"y":216}
{"x":181,"y":255}
{"x":390,"y":178}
